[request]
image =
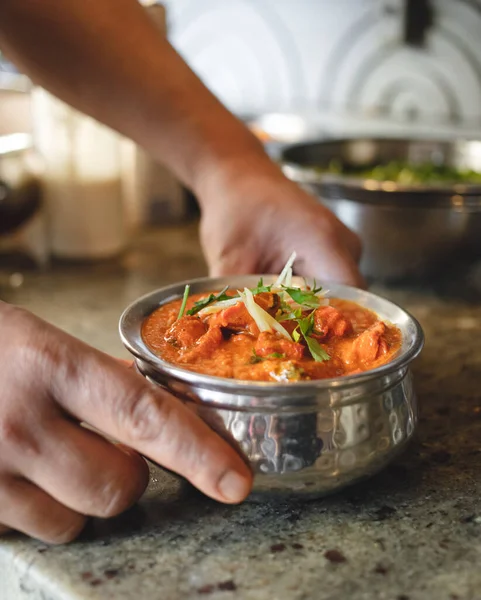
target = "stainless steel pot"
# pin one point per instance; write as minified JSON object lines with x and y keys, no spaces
{"x":307,"y":438}
{"x":278,"y":130}
{"x":407,"y":231}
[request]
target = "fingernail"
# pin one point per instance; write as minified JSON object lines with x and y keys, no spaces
{"x":233,"y":486}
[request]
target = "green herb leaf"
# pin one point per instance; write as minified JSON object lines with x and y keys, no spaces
{"x":289,"y":315}
{"x":306,"y":327}
{"x":296,"y":336}
{"x":261,"y":287}
{"x":317,"y":351}
{"x":184,"y":302}
{"x":200,"y":304}
{"x":316,"y":289}
{"x":304,"y":297}
{"x":255,"y":358}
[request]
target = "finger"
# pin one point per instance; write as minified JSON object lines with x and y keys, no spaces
{"x":353,"y":244}
{"x":235,"y":263}
{"x":335,"y":266}
{"x":26,"y":508}
{"x":121,"y":404}
{"x":127,"y":363}
{"x":83,"y":471}
{"x":336,"y":229}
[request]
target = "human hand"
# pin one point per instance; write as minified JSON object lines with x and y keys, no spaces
{"x":54,"y":473}
{"x":254,"y":218}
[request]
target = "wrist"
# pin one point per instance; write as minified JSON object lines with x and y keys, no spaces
{"x":231,"y":168}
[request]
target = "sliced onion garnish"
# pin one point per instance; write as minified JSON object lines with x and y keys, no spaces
{"x":286,"y":272}
{"x":263,"y":320}
{"x":218,"y":306}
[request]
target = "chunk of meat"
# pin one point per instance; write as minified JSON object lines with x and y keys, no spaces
{"x":290,"y":326}
{"x":329,"y":322}
{"x":269,"y":301}
{"x":324,"y":369}
{"x":271,"y":343}
{"x":366,"y":348}
{"x":235,"y":318}
{"x":204,"y":346}
{"x":371,"y":344}
{"x":185,"y":332}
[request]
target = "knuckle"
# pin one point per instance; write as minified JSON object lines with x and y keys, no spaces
{"x":62,"y":533}
{"x":145,"y":416}
{"x":15,"y":437}
{"x":39,"y":346}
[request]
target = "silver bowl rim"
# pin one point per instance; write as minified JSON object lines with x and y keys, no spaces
{"x":137,"y":347}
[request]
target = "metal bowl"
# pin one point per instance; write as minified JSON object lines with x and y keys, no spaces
{"x":308,"y":438}
{"x":278,"y":130}
{"x":407,"y":231}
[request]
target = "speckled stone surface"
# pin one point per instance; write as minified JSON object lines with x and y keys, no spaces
{"x":411,"y":533}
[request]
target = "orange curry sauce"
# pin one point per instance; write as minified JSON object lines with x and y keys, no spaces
{"x":228,"y":343}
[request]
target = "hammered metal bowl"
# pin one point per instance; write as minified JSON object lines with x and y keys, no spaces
{"x":309,"y":438}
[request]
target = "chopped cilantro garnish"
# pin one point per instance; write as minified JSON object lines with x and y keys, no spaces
{"x":305,"y":328}
{"x":200,"y":304}
{"x":285,"y":312}
{"x":316,"y":289}
{"x":317,"y":351}
{"x":261,"y":287}
{"x":184,"y":302}
{"x":306,"y":325}
{"x":289,"y":315}
{"x":306,"y":298}
{"x":255,"y":358}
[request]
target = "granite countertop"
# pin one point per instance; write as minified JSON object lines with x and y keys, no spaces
{"x":412,"y":532}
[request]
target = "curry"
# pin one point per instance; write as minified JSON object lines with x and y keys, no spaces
{"x":271,"y":333}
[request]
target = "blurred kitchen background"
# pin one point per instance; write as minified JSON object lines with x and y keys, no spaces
{"x":375,"y":64}
{"x":295,"y":71}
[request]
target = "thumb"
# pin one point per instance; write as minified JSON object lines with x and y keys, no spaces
{"x":331,"y":263}
{"x":235,"y":263}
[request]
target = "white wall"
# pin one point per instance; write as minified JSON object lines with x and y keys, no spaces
{"x":264,"y":55}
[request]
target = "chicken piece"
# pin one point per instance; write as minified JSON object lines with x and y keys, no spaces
{"x":235,"y":318}
{"x":329,"y":322}
{"x":366,"y":348}
{"x":270,"y":343}
{"x":269,"y":301}
{"x":185,"y":332}
{"x":204,"y":346}
{"x":371,"y":344}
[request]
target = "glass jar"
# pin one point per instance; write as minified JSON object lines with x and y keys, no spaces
{"x":82,"y":184}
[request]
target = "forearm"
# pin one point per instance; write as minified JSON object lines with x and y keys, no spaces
{"x":108,"y":60}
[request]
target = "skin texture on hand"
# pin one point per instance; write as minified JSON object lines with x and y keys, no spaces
{"x":260,"y":218}
{"x":54,"y":473}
